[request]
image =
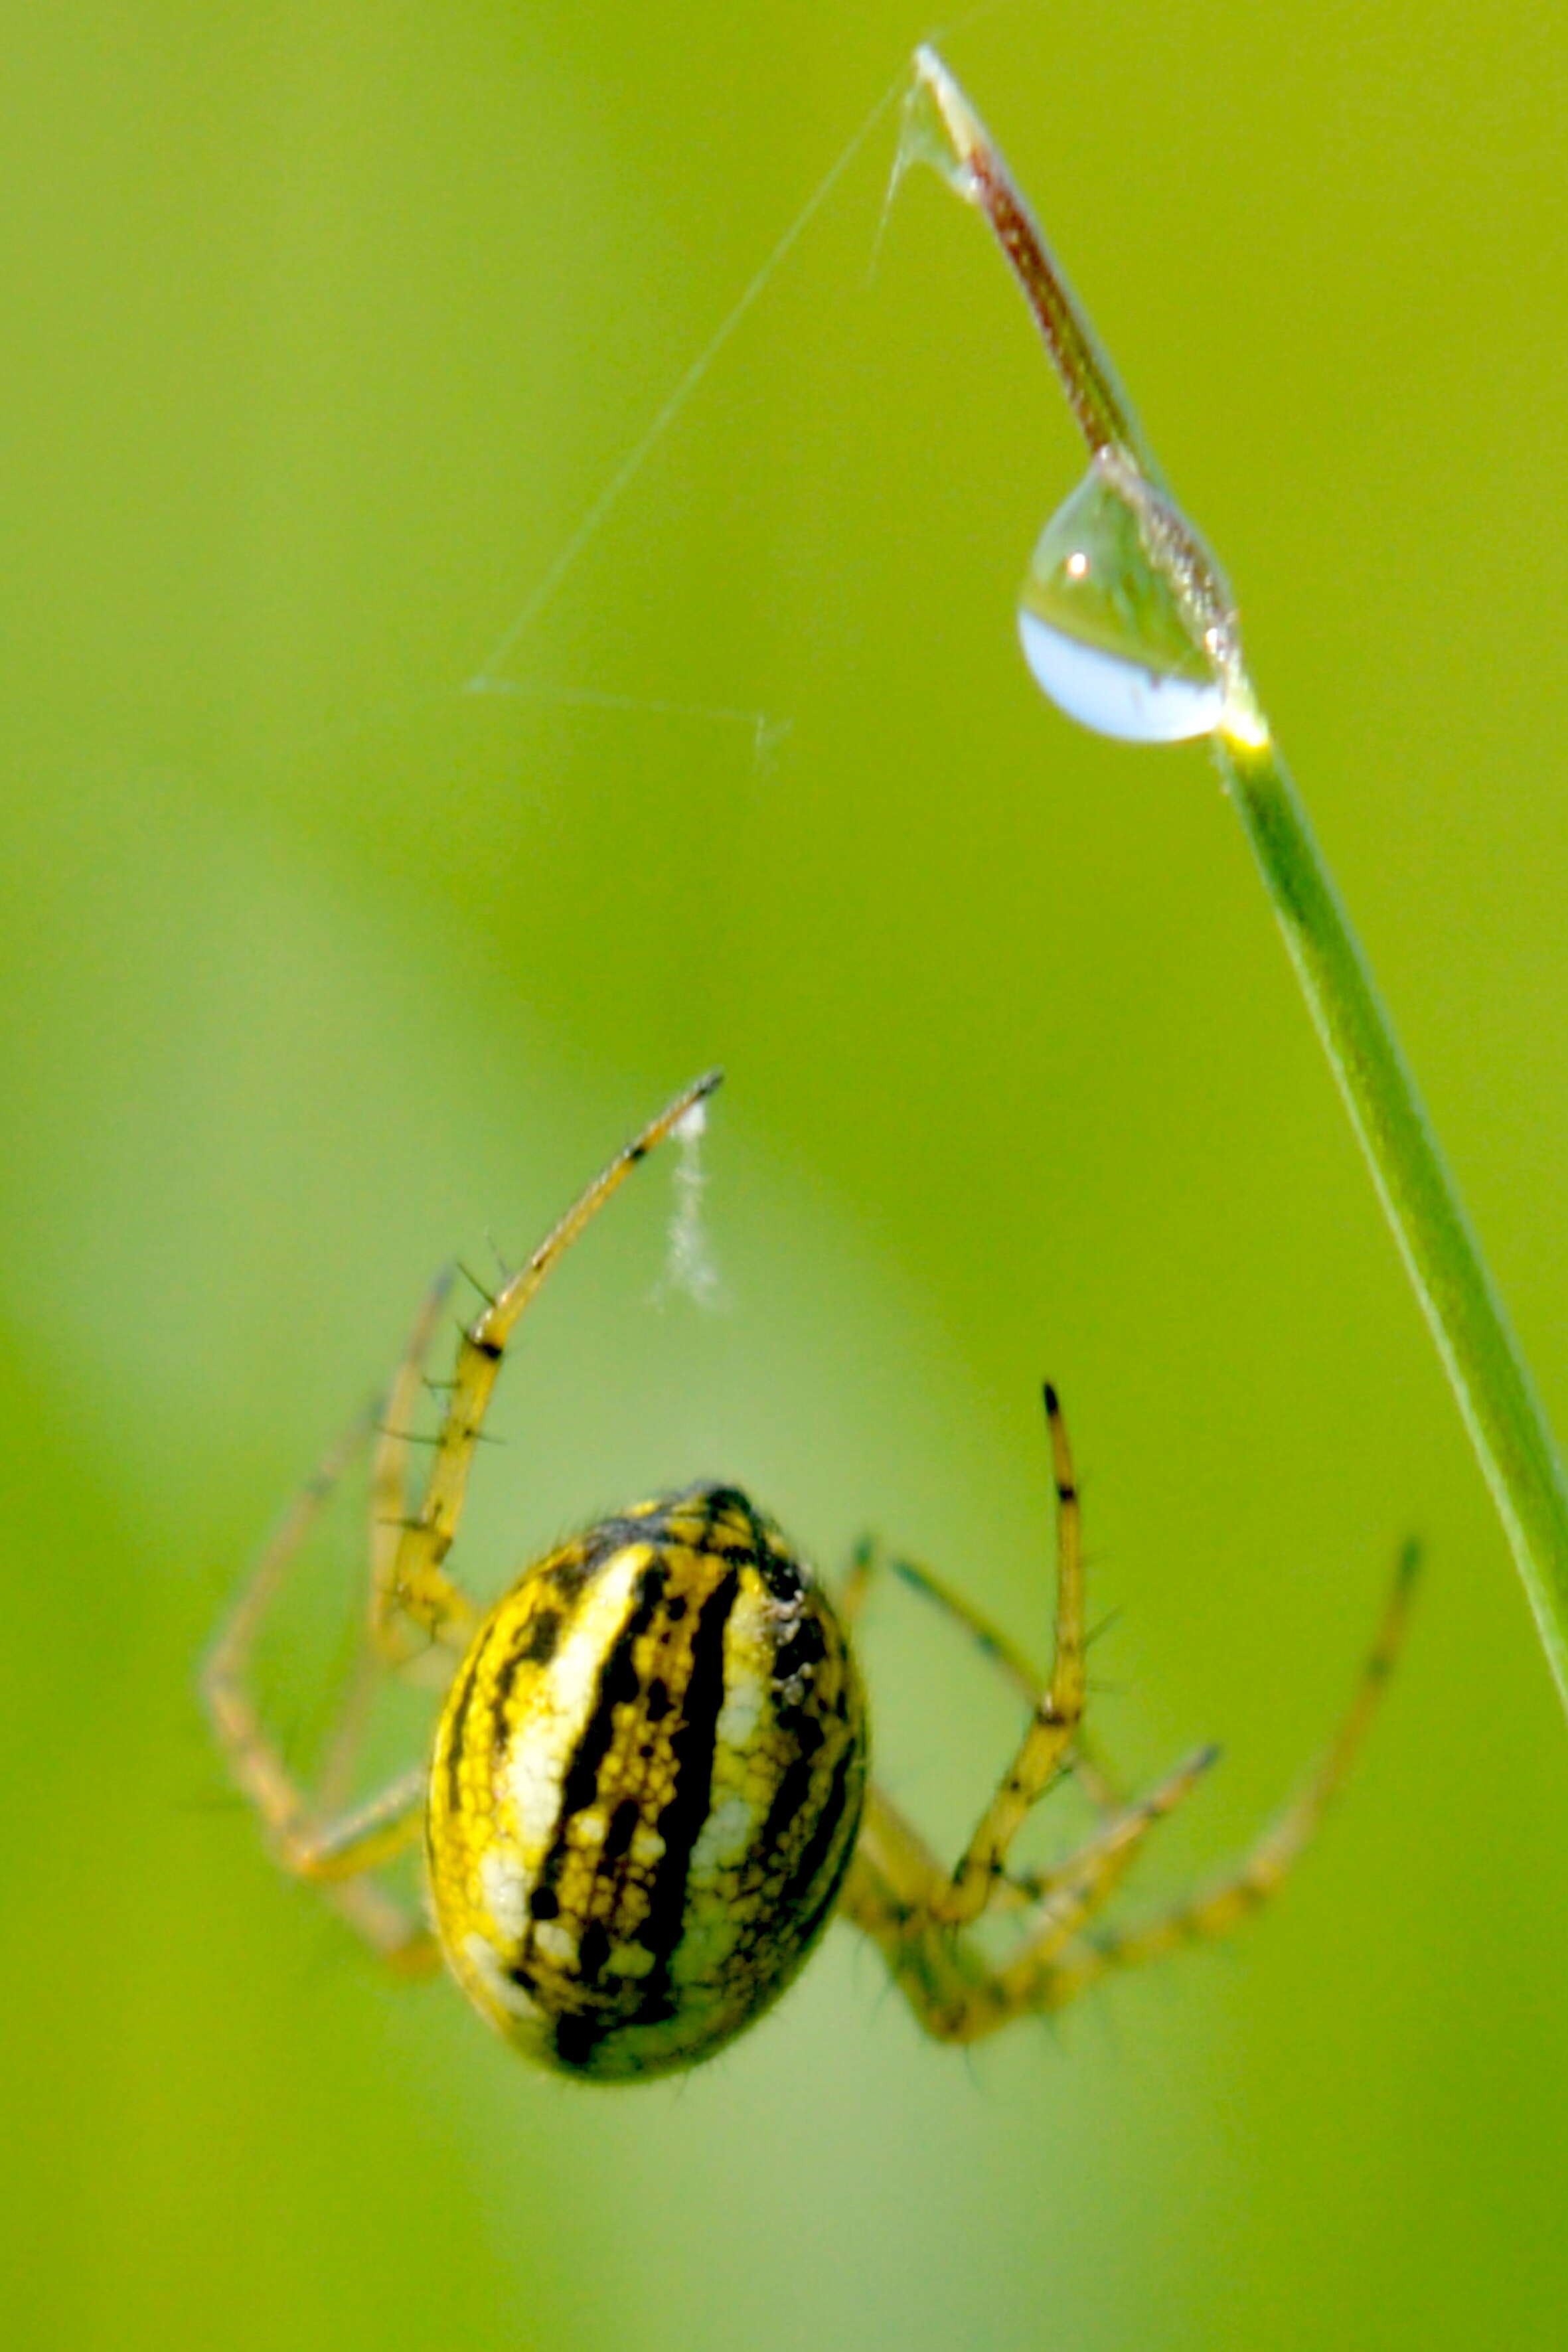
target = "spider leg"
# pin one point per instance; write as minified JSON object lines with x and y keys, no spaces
{"x":395,"y":1933}
{"x":366,"y":1675}
{"x":224,"y":1674}
{"x":388,"y":1641}
{"x":904,"y":1863}
{"x":864,"y":1562}
{"x":987,"y":1637}
{"x":1213,"y":1910}
{"x":869,"y":1559}
{"x":886,"y":1893}
{"x":958,"y":1995}
{"x":1086,"y":1764}
{"x":1052,"y":1730}
{"x":1070,"y":1893}
{"x":389,"y":1475}
{"x":416,"y":1582}
{"x":308,"y":1841}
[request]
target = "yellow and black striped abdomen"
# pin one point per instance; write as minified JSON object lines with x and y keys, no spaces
{"x":645,"y":1788}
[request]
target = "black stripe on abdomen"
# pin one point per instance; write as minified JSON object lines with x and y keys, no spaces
{"x":819,"y":1845}
{"x":617,"y":1684}
{"x":691,"y":1747}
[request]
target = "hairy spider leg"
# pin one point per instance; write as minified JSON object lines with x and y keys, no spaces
{"x":958,"y":1995}
{"x":1249,"y":1881}
{"x":950,"y":1986}
{"x":1084,"y":1761}
{"x":1058,"y":1711}
{"x":389,"y":1477}
{"x":417,"y":1583}
{"x":382,"y":1648}
{"x":330,"y":1847}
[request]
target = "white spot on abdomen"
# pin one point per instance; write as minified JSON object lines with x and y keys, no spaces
{"x":506,"y":1885}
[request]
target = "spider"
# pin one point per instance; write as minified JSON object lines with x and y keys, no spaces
{"x":648,"y":1788}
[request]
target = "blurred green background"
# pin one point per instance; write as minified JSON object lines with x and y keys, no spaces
{"x":324,"y":326}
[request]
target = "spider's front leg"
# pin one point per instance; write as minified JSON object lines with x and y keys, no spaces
{"x":312,"y":1833}
{"x":412,"y":1579}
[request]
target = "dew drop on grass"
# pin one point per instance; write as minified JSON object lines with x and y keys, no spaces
{"x":1103,"y":632}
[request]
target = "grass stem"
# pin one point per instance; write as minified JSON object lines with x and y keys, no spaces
{"x":1496,"y":1397}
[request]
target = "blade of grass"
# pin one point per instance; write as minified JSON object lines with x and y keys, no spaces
{"x":1496,"y":1397}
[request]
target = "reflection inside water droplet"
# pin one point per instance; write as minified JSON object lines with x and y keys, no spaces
{"x":1103,"y":632}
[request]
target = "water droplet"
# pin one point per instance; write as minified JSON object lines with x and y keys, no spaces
{"x":1103,"y":631}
